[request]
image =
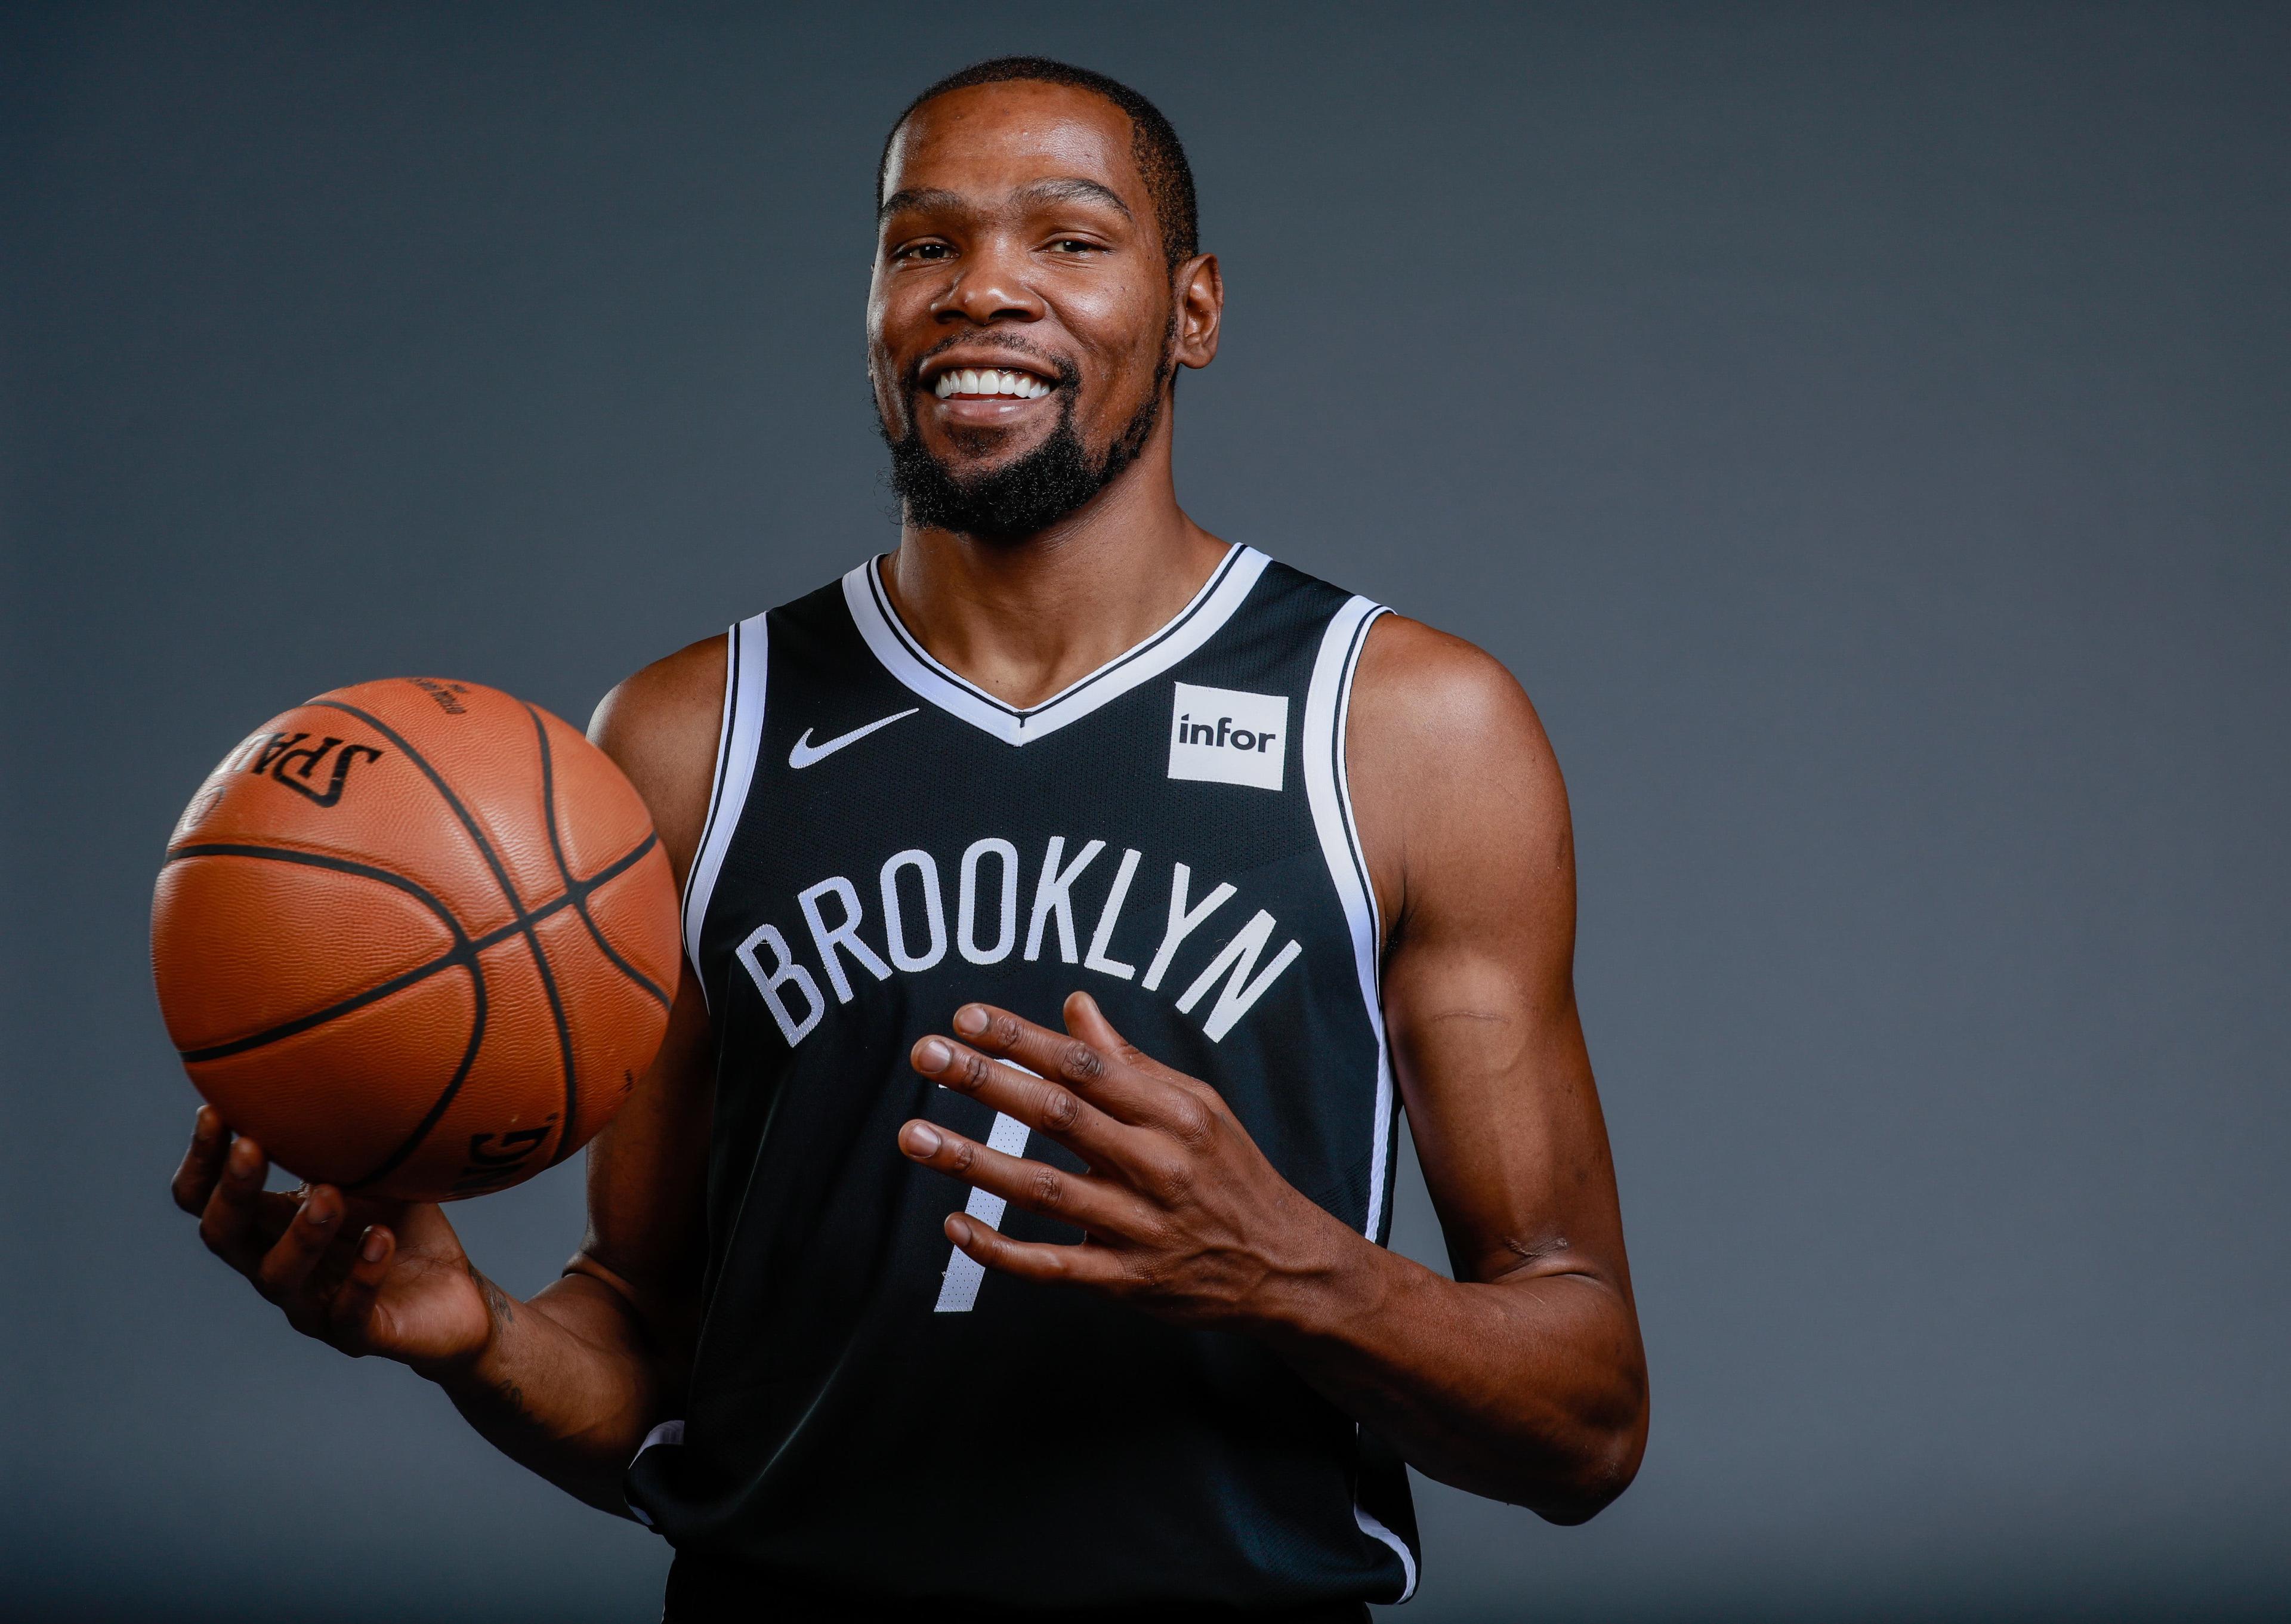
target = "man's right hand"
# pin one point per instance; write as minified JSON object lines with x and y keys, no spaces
{"x":366,"y":1277}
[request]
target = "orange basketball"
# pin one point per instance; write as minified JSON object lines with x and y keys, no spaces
{"x":416,"y":937}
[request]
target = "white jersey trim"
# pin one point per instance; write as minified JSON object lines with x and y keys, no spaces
{"x":739,"y":736}
{"x":669,"y":1432}
{"x":1327,"y":703}
{"x":903,"y":655}
{"x":1376,"y":1531}
{"x":1328,"y":789}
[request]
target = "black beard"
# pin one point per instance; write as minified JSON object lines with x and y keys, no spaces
{"x":1026,"y":496}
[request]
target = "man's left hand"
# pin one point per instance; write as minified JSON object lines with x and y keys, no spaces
{"x":1180,"y":1212}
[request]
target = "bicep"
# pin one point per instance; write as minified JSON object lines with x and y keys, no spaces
{"x":647,"y":1182}
{"x":647,"y":1168}
{"x":1465,"y":816}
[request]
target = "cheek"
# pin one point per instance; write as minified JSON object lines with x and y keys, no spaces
{"x":1117,"y":346}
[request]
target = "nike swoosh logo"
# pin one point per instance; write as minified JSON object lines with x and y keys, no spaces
{"x":806,"y":752}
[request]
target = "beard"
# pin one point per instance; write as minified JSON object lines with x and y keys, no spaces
{"x":1033,"y":492}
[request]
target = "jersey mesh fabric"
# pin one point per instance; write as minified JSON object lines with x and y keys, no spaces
{"x":862,"y":1421}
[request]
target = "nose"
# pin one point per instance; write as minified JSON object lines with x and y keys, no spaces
{"x":989,"y":284}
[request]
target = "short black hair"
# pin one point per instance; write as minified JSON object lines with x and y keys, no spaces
{"x":1153,"y":145}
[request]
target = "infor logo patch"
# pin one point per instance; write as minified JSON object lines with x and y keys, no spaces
{"x":1223,"y":736}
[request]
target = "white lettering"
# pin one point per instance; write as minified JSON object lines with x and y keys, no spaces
{"x":786,"y":972}
{"x":934,"y":912}
{"x":1239,"y":993}
{"x":844,"y":935}
{"x":965,"y":914}
{"x":1182,"y":923}
{"x":1054,"y":895}
{"x":1099,"y":938}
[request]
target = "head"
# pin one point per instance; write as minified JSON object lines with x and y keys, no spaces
{"x":1036,"y":223}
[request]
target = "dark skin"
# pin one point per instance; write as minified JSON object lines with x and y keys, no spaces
{"x":1019,"y":233}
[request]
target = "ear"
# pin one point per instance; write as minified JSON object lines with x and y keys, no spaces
{"x":1201,"y":310}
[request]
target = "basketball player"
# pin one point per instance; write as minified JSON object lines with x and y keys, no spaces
{"x":1074,"y":899}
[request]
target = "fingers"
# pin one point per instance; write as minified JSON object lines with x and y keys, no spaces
{"x":227,"y":1222}
{"x":351,"y":1313}
{"x":1087,"y":1204}
{"x":1087,"y":1022}
{"x":194,"y":1180}
{"x":285,"y":1269}
{"x":1083,"y":1265}
{"x":1109,"y":1077}
{"x":1039,"y":1102}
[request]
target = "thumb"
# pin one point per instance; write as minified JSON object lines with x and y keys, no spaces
{"x":353,"y":1315}
{"x":1085,"y":1020}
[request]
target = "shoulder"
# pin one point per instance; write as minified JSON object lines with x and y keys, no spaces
{"x":1449,"y":768}
{"x":660,"y":726}
{"x":1421,"y":697}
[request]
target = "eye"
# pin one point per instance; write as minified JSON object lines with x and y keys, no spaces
{"x":1073,"y":244}
{"x":922,"y":250}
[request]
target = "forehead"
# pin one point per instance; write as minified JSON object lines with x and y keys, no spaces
{"x":986,"y":140}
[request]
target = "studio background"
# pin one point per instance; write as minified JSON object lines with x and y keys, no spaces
{"x":1863,"y":429}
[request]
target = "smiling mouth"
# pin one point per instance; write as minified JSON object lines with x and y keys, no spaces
{"x":989,"y":383}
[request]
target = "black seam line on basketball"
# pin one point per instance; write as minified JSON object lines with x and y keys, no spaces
{"x":437,"y":781}
{"x":312,"y":859}
{"x":465,"y":949}
{"x":466,"y":953}
{"x":411,"y":1142}
{"x":500,"y":876}
{"x":563,"y":1030}
{"x":898,"y":630}
{"x":577,"y":891}
{"x":356,"y":1001}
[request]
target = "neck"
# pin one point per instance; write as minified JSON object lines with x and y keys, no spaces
{"x":1025,"y":617}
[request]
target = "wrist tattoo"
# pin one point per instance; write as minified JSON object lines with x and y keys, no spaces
{"x":498,"y":1302}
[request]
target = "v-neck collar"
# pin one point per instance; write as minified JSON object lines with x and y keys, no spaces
{"x":903,"y":655}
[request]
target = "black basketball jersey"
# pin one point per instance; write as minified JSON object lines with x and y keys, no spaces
{"x":870,"y":1415}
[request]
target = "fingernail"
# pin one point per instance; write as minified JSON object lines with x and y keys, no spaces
{"x":934,"y":1054}
{"x":922,"y":1139}
{"x":205,"y":1124}
{"x":373,"y":1247}
{"x":244,"y":1161}
{"x":319,"y":1214}
{"x":970,"y":1019}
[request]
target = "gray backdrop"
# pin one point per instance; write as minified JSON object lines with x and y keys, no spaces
{"x":1863,"y":431}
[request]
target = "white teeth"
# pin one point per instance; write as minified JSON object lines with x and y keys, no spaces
{"x":989,"y":380}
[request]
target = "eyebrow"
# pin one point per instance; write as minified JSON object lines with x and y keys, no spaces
{"x":1066,"y":188}
{"x":1074,"y":189}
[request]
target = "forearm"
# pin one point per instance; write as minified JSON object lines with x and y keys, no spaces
{"x":1529,"y":1390}
{"x":566,"y":1385}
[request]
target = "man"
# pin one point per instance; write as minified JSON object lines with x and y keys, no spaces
{"x":895,"y":1293}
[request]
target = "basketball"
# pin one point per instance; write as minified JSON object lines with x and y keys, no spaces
{"x":416,"y":937}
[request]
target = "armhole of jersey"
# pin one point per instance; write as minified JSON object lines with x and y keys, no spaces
{"x":1327,"y":703}
{"x":1328,"y":789}
{"x":747,"y":659}
{"x":1375,"y":1529}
